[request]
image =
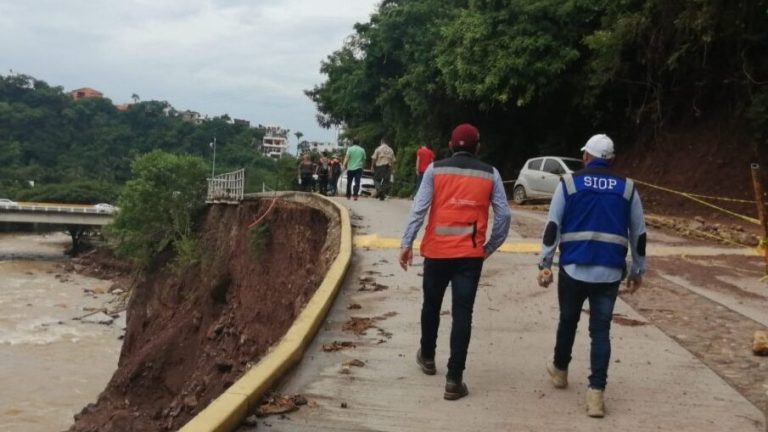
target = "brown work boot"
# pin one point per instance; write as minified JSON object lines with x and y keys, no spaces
{"x":558,"y":377}
{"x":595,"y":403}
{"x":455,"y":389}
{"x":427,"y":365}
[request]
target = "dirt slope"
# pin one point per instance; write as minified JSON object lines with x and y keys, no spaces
{"x":192,"y":335}
{"x":711,"y":158}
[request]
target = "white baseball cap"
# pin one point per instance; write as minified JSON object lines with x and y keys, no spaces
{"x":600,"y":146}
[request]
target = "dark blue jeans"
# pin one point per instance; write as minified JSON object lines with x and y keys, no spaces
{"x":355,"y":175}
{"x":463,"y":275}
{"x":571,"y":294}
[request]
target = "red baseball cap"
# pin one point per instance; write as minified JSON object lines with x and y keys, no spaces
{"x":465,"y":137}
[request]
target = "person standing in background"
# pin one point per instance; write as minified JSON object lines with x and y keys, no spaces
{"x":323,"y":172}
{"x":306,"y":170}
{"x":353,"y":163}
{"x":424,"y":157}
{"x":335,"y":174}
{"x":382,"y":162}
{"x":595,"y":216}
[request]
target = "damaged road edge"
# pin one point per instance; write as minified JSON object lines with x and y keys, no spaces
{"x":225,"y":413}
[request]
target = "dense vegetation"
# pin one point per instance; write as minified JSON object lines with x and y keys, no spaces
{"x":53,"y":148}
{"x":158,"y":207}
{"x":539,"y":76}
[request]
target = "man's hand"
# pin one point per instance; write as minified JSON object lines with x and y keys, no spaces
{"x":633,"y":283}
{"x":406,"y":257}
{"x":544,"y":277}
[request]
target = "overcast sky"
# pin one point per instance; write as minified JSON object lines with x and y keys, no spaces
{"x":249,"y":59}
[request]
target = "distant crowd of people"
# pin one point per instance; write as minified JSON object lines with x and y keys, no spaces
{"x":322,"y":175}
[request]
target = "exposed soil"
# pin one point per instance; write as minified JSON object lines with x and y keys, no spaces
{"x":192,"y":334}
{"x":712,"y":159}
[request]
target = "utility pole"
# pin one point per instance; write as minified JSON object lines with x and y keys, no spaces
{"x":757,"y":183}
{"x":213,"y":167}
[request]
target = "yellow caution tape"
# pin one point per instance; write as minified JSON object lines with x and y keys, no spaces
{"x":696,"y":195}
{"x":700,"y":201}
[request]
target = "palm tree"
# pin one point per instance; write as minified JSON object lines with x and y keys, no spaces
{"x":298,"y":141}
{"x":135,"y":98}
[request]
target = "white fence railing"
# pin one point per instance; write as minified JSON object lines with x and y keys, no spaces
{"x":226,"y":187}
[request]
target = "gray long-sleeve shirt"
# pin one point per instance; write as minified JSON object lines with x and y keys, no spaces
{"x":423,"y":200}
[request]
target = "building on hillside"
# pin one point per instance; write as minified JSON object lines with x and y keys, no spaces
{"x":275,"y":142}
{"x":191,"y":117}
{"x":85,"y":92}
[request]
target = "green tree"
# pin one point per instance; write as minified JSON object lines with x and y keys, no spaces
{"x":159,"y":205}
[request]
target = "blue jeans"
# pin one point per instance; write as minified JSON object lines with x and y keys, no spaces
{"x":464,"y":275}
{"x":571,"y":294}
{"x":355,"y":175}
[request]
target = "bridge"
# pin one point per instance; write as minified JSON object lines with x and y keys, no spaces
{"x":54,"y":213}
{"x":75,"y":217}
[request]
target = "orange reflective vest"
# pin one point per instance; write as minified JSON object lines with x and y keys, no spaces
{"x":458,"y":217}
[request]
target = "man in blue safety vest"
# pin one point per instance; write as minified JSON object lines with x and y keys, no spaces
{"x":595,"y":216}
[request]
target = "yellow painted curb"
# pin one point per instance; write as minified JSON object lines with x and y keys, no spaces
{"x":374,"y":241}
{"x":227,"y":411}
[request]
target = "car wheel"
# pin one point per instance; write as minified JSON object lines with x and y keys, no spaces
{"x":519,"y":195}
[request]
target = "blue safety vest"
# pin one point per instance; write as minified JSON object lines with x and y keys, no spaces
{"x":595,"y":225}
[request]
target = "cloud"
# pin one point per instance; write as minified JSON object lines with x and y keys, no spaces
{"x":249,"y":59}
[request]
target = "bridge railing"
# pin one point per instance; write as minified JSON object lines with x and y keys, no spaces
{"x":227,"y":187}
{"x":53,"y":207}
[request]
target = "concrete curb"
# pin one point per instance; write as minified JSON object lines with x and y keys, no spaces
{"x":226,"y":412}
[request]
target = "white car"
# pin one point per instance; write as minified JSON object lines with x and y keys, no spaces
{"x":5,"y":202}
{"x":104,"y":208}
{"x":540,"y":176}
{"x":367,"y":186}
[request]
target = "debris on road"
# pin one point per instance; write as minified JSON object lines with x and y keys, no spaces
{"x":760,"y":343}
{"x":354,"y":306}
{"x":280,"y":404}
{"x":358,"y":325}
{"x":355,"y":363}
{"x":338,"y":346}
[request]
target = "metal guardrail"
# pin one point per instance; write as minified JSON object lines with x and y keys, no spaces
{"x":226,"y":188}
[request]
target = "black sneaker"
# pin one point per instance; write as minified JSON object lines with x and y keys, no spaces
{"x":455,"y":389}
{"x":427,"y":365}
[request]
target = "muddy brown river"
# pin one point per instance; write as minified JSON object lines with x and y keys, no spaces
{"x":51,"y":365}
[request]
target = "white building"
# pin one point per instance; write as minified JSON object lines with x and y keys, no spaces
{"x":275,"y":142}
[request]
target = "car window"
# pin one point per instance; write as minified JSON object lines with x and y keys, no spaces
{"x":552,"y":166}
{"x":534,"y":164}
{"x":573,"y":165}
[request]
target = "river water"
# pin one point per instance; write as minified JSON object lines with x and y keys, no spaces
{"x":51,"y":366}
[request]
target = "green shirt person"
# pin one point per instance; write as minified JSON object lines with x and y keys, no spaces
{"x":353,"y":162}
{"x":355,"y":157}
